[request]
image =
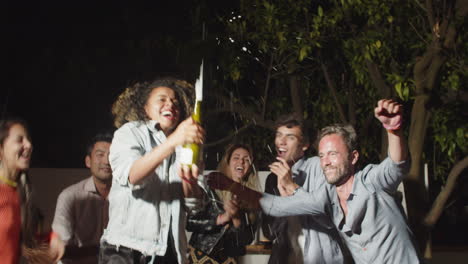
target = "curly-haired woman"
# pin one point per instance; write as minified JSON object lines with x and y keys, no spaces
{"x":148,"y":201}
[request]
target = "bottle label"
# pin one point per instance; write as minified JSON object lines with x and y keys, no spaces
{"x":186,"y":156}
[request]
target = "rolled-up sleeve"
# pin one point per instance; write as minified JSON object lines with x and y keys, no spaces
{"x":124,"y":151}
{"x":63,"y":219}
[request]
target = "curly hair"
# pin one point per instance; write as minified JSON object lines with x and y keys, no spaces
{"x":130,"y":105}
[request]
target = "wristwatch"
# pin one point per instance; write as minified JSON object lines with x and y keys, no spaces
{"x":295,"y":190}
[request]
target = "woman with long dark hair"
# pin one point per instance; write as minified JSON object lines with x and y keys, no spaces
{"x":17,"y":227}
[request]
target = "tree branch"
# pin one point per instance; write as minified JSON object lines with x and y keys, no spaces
{"x":296,"y":98}
{"x":450,"y":32}
{"x":332,"y":88}
{"x":256,"y":119}
{"x":430,"y":15}
{"x":439,"y":204}
{"x":461,"y":8}
{"x":417,"y":33}
{"x":242,"y":111}
{"x":226,"y":138}
{"x":377,"y":79}
{"x":267,"y":86}
{"x":351,"y":106}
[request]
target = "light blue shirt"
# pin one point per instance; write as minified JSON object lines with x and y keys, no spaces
{"x":141,"y":216}
{"x":374,"y":230}
{"x":321,"y":239}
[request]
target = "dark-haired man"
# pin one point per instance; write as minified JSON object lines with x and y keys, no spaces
{"x":298,"y":239}
{"x":82,"y":208}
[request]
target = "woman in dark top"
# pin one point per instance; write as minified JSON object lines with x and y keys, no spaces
{"x":226,"y":225}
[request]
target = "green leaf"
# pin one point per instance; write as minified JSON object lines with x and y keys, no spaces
{"x":378,"y":44}
{"x":303,"y":52}
{"x":320,"y":11}
{"x":460,"y":132}
{"x":399,"y":90}
{"x":406,"y":91}
{"x":280,"y":36}
{"x":235,"y":74}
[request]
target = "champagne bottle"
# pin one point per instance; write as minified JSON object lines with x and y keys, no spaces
{"x":191,"y":152}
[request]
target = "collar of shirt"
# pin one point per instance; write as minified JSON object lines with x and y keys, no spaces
{"x":152,"y":125}
{"x":356,"y":181}
{"x":354,"y":192}
{"x":89,"y":185}
{"x":297,"y":175}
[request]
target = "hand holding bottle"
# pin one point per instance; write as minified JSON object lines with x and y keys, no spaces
{"x":187,"y":132}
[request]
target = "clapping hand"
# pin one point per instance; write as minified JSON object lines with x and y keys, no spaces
{"x":282,"y":170}
{"x":231,"y":207}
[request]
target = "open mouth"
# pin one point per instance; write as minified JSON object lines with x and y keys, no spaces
{"x":25,"y":155}
{"x":240,"y":169}
{"x":168,"y":114}
{"x":281,"y":151}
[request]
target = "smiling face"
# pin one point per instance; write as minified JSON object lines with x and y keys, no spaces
{"x":239,"y":164}
{"x":162,"y":106}
{"x":16,"y":149}
{"x":98,"y":162}
{"x":289,"y":143}
{"x":336,"y":161}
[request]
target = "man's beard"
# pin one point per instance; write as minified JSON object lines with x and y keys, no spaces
{"x":339,"y":174}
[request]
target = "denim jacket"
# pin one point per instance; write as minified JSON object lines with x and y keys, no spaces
{"x":216,"y":239}
{"x":141,"y":216}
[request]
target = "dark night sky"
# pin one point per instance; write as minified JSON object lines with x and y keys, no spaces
{"x":66,"y":61}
